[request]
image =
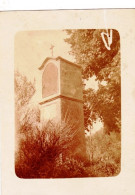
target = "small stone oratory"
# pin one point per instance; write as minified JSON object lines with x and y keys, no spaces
{"x":62,"y":95}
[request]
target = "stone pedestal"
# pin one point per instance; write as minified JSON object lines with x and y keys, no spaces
{"x":62,"y":96}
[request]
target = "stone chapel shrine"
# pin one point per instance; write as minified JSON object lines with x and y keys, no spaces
{"x":62,"y":95}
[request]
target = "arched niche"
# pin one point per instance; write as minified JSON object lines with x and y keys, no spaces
{"x":49,"y":80}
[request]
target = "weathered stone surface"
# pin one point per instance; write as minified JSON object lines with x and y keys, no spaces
{"x":51,"y":111}
{"x":71,"y":80}
{"x":72,"y":113}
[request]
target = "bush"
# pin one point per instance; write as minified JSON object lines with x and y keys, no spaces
{"x":105,"y":154}
{"x":43,"y":152}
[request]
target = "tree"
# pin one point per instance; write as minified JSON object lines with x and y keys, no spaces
{"x":24,"y":90}
{"x":96,"y":60}
{"x":24,"y":113}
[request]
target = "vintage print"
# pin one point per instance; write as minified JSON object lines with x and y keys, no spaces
{"x":67,"y":86}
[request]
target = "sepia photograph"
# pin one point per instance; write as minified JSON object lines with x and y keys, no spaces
{"x":67,"y":99}
{"x":67,"y":94}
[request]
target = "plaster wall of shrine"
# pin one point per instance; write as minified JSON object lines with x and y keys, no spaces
{"x":62,"y":96}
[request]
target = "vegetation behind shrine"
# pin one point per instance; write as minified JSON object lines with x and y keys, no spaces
{"x":96,"y":60}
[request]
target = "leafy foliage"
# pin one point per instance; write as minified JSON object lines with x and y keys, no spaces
{"x":90,"y":102}
{"x":88,"y":48}
{"x":24,"y":90}
{"x":104,"y":153}
{"x":90,"y":52}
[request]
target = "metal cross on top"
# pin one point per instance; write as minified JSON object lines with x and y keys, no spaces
{"x":51,"y":48}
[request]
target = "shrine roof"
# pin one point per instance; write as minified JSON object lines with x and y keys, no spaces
{"x":57,"y":58}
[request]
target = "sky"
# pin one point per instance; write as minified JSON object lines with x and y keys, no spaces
{"x":32,"y":47}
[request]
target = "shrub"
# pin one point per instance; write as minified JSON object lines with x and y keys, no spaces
{"x":44,"y":151}
{"x":105,"y":151}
